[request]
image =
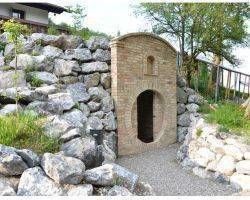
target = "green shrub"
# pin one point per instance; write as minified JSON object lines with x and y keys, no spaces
{"x":6,"y":68}
{"x":31,"y":68}
{"x":231,"y":117}
{"x":52,"y":30}
{"x":25,"y":131}
{"x":199,"y":132}
{"x":2,"y":46}
{"x":35,"y":82}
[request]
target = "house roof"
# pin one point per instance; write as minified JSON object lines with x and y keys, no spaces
{"x":46,"y":6}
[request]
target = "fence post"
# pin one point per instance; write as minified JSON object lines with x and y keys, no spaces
{"x":217,"y":83}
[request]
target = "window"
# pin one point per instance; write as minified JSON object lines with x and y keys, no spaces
{"x":19,"y":14}
{"x":150,"y":65}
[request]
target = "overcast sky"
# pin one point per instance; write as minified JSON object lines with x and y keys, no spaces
{"x":109,"y":16}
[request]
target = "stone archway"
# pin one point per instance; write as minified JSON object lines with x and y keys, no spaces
{"x":143,"y":62}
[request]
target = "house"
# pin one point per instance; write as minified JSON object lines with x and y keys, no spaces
{"x":35,"y":15}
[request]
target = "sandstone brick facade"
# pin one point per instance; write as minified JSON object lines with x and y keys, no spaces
{"x":143,"y":62}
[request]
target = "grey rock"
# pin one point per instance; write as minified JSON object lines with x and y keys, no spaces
{"x":69,"y":41}
{"x":184,"y":119}
{"x":192,"y":107}
{"x":78,"y":92}
{"x":143,"y":189}
{"x":189,"y":91}
{"x":106,"y":80}
{"x":30,"y":158}
{"x":2,"y":62}
{"x":68,"y":79}
{"x":98,"y":114}
{"x":97,"y":93}
{"x":42,"y":38}
{"x":95,"y":67}
{"x":4,"y":37}
{"x":12,"y":181}
{"x":102,"y":55}
{"x":9,"y":50}
{"x":75,"y":118}
{"x":81,"y":148}
{"x":55,"y":127}
{"x":181,"y":133}
{"x":181,"y":81}
{"x":181,"y":108}
{"x":10,"y":163}
{"x":201,"y":172}
{"x":107,"y":104}
{"x":92,"y":80}
{"x":39,"y":107}
{"x":243,"y":167}
{"x":78,"y":54}
{"x":46,"y":90}
{"x":81,"y":190}
{"x":109,"y":156}
{"x":9,"y":109}
{"x":94,"y":106}
{"x":85,"y":109}
{"x":63,"y":169}
{"x":34,"y":182}
{"x":101,"y":176}
{"x":240,"y":181}
{"x":6,"y":190}
{"x":94,"y":123}
{"x":197,"y":99}
{"x":65,"y":67}
{"x":111,"y":138}
{"x":182,"y":96}
{"x":97,"y":42}
{"x":6,"y":79}
{"x":119,"y":191}
{"x":109,"y":122}
{"x":226,"y":165}
{"x":72,"y":134}
{"x":51,"y":52}
{"x":60,"y":102}
{"x":44,"y":77}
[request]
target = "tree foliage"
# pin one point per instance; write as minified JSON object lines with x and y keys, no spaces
{"x":200,"y":28}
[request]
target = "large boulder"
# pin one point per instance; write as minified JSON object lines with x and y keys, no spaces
{"x":94,"y":106}
{"x":119,"y":191}
{"x":6,"y":190}
{"x":78,"y":92}
{"x":30,"y":157}
{"x":107,"y":104}
{"x":7,"y":79}
{"x":55,"y":127}
{"x":92,"y":80}
{"x":10,"y":163}
{"x":181,"y":96}
{"x":195,"y":98}
{"x":43,"y":39}
{"x":23,"y":61}
{"x":81,"y":148}
{"x":12,"y":181}
{"x":184,"y":119}
{"x":46,"y":90}
{"x":181,"y":108}
{"x":68,"y":42}
{"x":243,"y":167}
{"x":106,"y":80}
{"x":233,"y":151}
{"x":51,"y":52}
{"x":75,"y":118}
{"x":44,"y":77}
{"x":97,"y":93}
{"x":94,"y":123}
{"x":60,"y":102}
{"x":192,"y":107}
{"x":98,"y":42}
{"x":109,"y":122}
{"x":78,"y":54}
{"x":81,"y":190}
{"x":63,"y":169}
{"x":65,"y":67}
{"x":2,"y":62}
{"x":226,"y":165}
{"x":95,"y":67}
{"x":9,"y":109}
{"x":34,"y":182}
{"x":70,"y":135}
{"x":240,"y":181}
{"x":102,"y":55}
{"x":181,"y":133}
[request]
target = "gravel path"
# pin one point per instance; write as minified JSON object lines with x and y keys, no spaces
{"x":160,"y":169}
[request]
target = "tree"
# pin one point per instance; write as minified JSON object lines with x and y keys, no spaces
{"x":15,"y":30}
{"x":200,"y":28}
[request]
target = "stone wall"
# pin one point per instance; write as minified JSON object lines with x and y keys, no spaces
{"x":131,"y":77}
{"x":66,"y":79}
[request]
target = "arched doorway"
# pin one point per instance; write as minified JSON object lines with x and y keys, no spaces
{"x":145,"y":116}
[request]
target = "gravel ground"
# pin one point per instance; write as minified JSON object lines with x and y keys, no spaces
{"x":160,"y":169}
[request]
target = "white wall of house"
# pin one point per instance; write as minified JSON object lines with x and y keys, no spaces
{"x":31,"y":14}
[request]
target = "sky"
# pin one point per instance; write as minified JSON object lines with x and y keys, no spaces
{"x":109,"y":16}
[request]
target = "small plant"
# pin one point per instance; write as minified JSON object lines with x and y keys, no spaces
{"x":2,"y":46}
{"x":6,"y":68}
{"x":35,"y":53}
{"x":223,"y":129}
{"x":199,"y":132}
{"x":25,"y":131}
{"x":30,"y":69}
{"x":52,"y":30}
{"x":35,"y":82}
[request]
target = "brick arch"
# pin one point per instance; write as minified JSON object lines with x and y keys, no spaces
{"x":128,"y":59}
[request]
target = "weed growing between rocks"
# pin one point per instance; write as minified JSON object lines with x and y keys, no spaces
{"x":231,"y":117}
{"x":25,"y":131}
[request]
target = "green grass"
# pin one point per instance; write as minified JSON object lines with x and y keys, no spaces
{"x":231,"y":117}
{"x":35,"y":82}
{"x":25,"y":131}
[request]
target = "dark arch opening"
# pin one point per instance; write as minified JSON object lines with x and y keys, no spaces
{"x":145,"y":116}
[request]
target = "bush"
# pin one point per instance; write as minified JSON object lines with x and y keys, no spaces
{"x":25,"y":131}
{"x":231,"y":117}
{"x":52,"y":30}
{"x":35,"y":82}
